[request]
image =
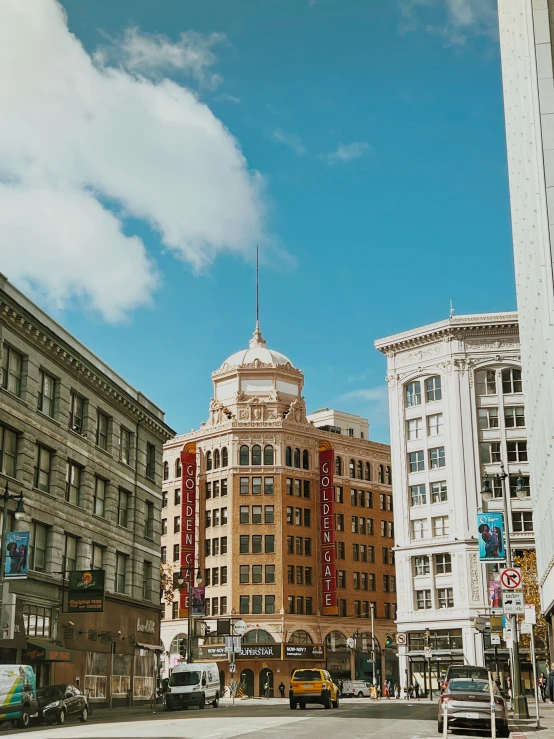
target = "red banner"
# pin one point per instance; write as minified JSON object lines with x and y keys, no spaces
{"x":327,"y":521}
{"x":188,"y":523}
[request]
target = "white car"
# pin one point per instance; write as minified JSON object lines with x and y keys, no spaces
{"x":350,"y":688}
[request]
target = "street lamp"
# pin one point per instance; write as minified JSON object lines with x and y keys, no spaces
{"x":180,"y":583}
{"x":521,"y":709}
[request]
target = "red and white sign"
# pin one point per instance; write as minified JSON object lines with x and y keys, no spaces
{"x":401,"y":639}
{"x":188,"y":523}
{"x":511,"y":578}
{"x":327,"y":521}
{"x":530,"y":614}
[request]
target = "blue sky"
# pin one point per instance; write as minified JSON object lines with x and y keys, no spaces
{"x":372,"y":174}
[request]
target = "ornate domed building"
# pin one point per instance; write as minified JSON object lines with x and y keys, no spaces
{"x":301,"y":557}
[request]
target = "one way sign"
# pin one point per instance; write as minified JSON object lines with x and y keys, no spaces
{"x":511,"y":578}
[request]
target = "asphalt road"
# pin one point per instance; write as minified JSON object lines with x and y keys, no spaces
{"x":257,"y":719}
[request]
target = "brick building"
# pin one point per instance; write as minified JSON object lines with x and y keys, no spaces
{"x":258,"y":527}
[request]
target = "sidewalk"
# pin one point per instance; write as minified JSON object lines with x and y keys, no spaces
{"x":527,"y":727}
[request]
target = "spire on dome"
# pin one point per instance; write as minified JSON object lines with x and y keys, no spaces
{"x":257,"y":338}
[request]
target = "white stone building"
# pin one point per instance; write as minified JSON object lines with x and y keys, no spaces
{"x":456,"y":410}
{"x":527,"y":69}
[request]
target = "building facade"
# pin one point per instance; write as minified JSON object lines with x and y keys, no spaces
{"x":528,"y":72}
{"x":85,"y":450}
{"x":456,"y":411}
{"x":259,"y":525}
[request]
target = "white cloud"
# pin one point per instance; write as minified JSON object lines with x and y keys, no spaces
{"x":76,"y":138}
{"x":453,"y":20}
{"x":155,"y":54}
{"x":226,"y":98}
{"x":373,"y":401}
{"x":291,"y":140}
{"x":347,"y":152}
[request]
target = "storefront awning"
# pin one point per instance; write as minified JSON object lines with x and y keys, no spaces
{"x":41,"y":650}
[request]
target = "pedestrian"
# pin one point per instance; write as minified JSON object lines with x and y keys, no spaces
{"x":542,"y":686}
{"x":282,"y":689}
{"x":266,"y":689}
{"x":416,"y":690}
{"x":396,"y":691}
{"x":550,"y":684}
{"x":340,"y":686}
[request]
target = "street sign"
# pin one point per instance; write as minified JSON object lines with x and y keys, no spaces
{"x":508,"y":637}
{"x":240,"y":627}
{"x":479,"y":623}
{"x":530,"y":614}
{"x":401,"y":639}
{"x":233,"y":643}
{"x":428,"y":651}
{"x":511,"y":578}
{"x":495,"y":639}
{"x":232,"y":667}
{"x":525,"y":627}
{"x":513,"y":603}
{"x":350,"y":643}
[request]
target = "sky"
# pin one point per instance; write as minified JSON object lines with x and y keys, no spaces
{"x":147,"y":148}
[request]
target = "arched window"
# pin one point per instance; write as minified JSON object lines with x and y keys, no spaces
{"x":297,"y":458}
{"x":335,"y":641}
{"x":258,"y":636}
{"x":300,"y":637}
{"x":217,"y":459}
{"x":256,"y":454}
{"x":224,"y":457}
{"x":288,"y":457}
{"x":178,"y":644}
{"x":244,"y":455}
{"x":177,"y":467}
{"x":360,"y":470}
{"x":166,"y":470}
{"x":209,"y":461}
{"x":381,"y":477}
{"x":351,"y":468}
{"x":338,"y":465}
{"x":388,"y":479}
{"x":367,"y":471}
{"x":269,"y":455}
{"x":305,"y":460}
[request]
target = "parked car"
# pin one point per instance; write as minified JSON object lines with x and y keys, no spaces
{"x":58,"y":703}
{"x":312,"y":686}
{"x":468,"y":704}
{"x":351,"y":688}
{"x":18,"y":694}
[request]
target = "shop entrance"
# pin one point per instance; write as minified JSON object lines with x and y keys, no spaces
{"x":425,"y":675}
{"x":266,"y":675}
{"x":247,"y":682}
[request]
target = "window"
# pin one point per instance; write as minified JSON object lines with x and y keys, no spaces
{"x":298,"y":545}
{"x":147,"y":580}
{"x":269,"y":574}
{"x":224,"y":457}
{"x":223,"y":487}
{"x":244,"y":514}
{"x":305,"y":460}
{"x":339,"y":494}
{"x":215,"y":547}
{"x":522,"y":521}
{"x":489,"y":452}
{"x":511,"y":381}
{"x":268,"y":486}
{"x":164,"y":499}
{"x":244,"y":544}
{"x":369,"y":526}
{"x":434,"y":424}
{"x":515,"y":417}
{"x":269,"y":544}
{"x":371,"y":553}
{"x":290,"y":574}
{"x":359,"y":470}
{"x":351,"y":468}
{"x":256,"y":604}
{"x":290,"y":603}
{"x":433,"y":389}
{"x":37,"y":549}
{"x":244,"y":574}
{"x":299,"y":575}
{"x":288,"y":457}
{"x":217,"y":459}
{"x":256,"y":454}
{"x":298,"y":488}
{"x":517,"y":451}
{"x":485,"y":382}
{"x":256,"y":486}
{"x":363,"y":552}
{"x":440,"y":526}
{"x":445,"y":597}
{"x":208,"y":489}
{"x":372,"y":581}
{"x":413,"y":394}
{"x":208,"y":461}
{"x":99,"y":496}
{"x":149,"y":520}
{"x":150,"y":461}
{"x":354,"y":497}
{"x":308,"y":576}
{"x":37,"y":620}
{"x":176,"y":524}
{"x":415,"y":428}
{"x":423,"y":599}
{"x":224,"y":516}
{"x":176,"y":552}
{"x":47,"y":387}
{"x":419,"y":528}
{"x":385,"y":555}
{"x":443,"y":564}
{"x":97,"y":559}
{"x":438,"y":492}
{"x":269,"y":514}
{"x":416,"y":461}
{"x":177,"y":496}
{"x":102,"y":423}
{"x":513,"y":485}
{"x":361,"y":525}
{"x":12,"y":370}
{"x":270,"y":604}
{"x":178,"y":468}
{"x":297,"y":458}
{"x":340,"y":550}
{"x":383,"y":502}
{"x":8,"y":452}
{"x":356,"y":552}
{"x":418,"y":495}
{"x":244,"y":485}
{"x":354,"y":524}
{"x":208,"y":547}
{"x":73,"y":483}
{"x":421,"y":565}
{"x":269,"y":455}
{"x":166,"y":471}
{"x":437,"y":458}
{"x":341,"y":579}
{"x":338,"y":465}
{"x":175,"y":609}
{"x":386,"y":583}
{"x":383,"y":528}
{"x":290,"y":544}
{"x":342,"y":608}
{"x":367,"y":471}
{"x":70,"y":554}
{"x":224,"y":577}
{"x":256,"y":514}
{"x":164,"y":526}
{"x":163,"y":556}
{"x":244,"y":455}
{"x":42,"y":468}
{"x":306,"y":487}
{"x":308,"y":547}
{"x":487,"y":418}
{"x":244,"y":604}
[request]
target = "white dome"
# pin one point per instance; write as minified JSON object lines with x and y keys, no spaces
{"x":257,"y":350}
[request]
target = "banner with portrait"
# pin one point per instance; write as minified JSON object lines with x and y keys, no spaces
{"x":17,"y":547}
{"x":490,"y":535}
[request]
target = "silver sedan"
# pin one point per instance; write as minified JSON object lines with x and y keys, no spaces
{"x":468,"y":704}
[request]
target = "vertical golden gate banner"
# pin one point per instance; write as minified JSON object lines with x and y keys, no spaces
{"x":329,"y":606}
{"x":188,"y":523}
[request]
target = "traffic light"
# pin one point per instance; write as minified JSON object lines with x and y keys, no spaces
{"x":388,"y":640}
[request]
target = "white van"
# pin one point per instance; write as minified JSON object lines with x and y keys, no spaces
{"x":18,"y":694}
{"x":351,"y":688}
{"x":192,"y":684}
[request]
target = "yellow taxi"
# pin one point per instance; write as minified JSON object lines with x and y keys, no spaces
{"x":312,"y":686}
